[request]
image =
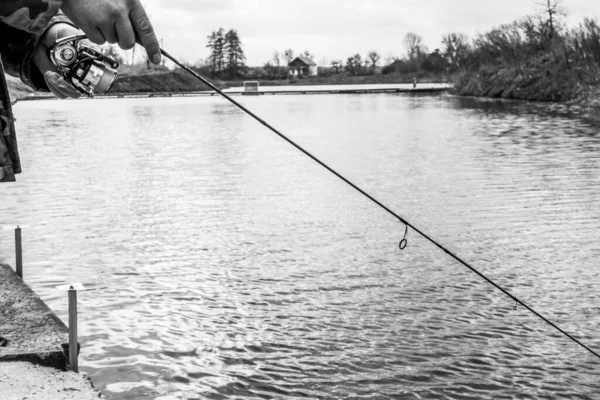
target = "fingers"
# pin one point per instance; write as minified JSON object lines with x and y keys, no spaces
{"x":59,"y":87}
{"x":40,"y":57}
{"x":95,"y":36}
{"x":125,"y":34}
{"x":56,"y":82}
{"x":110,"y":33}
{"x":143,"y":28}
{"x":58,"y":31}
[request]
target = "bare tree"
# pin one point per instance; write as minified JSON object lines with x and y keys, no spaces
{"x":357,"y":62}
{"x":307,"y":54}
{"x":114,"y":52}
{"x":456,"y":48}
{"x":375,"y":57}
{"x":277,"y":60}
{"x":390,"y":58}
{"x":555,"y":10}
{"x":336,"y":65}
{"x":288,"y":55}
{"x":414,"y":45}
{"x":354,"y":65}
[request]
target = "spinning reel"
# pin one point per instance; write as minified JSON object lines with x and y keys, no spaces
{"x":89,"y":71}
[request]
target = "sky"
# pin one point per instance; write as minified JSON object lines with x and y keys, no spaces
{"x":334,"y":30}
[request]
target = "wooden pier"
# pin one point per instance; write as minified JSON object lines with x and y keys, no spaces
{"x":266,"y":91}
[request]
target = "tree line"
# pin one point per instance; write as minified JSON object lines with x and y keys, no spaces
{"x":513,"y":44}
{"x":516,"y":44}
{"x":226,"y":53}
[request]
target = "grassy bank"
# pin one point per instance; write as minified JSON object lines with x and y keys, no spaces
{"x":533,"y":60}
{"x":542,"y":78}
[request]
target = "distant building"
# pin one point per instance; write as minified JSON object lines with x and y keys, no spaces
{"x":303,"y":66}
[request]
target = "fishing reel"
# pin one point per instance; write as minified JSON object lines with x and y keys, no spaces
{"x":89,"y":71}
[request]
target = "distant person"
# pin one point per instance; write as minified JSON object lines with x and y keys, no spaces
{"x":415,"y":82}
{"x":28,"y":28}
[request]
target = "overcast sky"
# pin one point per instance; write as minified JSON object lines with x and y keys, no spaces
{"x":333,"y":30}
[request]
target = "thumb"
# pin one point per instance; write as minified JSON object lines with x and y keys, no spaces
{"x":59,"y":87}
{"x":51,"y":79}
{"x":40,"y":57}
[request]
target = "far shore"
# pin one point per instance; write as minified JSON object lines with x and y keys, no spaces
{"x":178,"y":84}
{"x":268,"y":89}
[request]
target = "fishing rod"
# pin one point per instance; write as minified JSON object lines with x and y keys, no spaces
{"x":404,"y":242}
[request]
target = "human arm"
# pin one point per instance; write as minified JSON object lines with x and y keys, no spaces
{"x":32,"y":26}
{"x":22,"y":25}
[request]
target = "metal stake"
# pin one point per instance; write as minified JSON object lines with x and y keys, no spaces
{"x":19,"y":252}
{"x":73,"y":350}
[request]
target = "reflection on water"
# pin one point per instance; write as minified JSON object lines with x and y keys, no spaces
{"x":222,"y":263}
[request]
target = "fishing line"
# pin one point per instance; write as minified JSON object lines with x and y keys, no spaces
{"x":404,"y":242}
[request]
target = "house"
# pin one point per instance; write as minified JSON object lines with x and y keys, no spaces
{"x":303,"y":66}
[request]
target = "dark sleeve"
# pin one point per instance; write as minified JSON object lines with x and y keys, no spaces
{"x":16,"y":48}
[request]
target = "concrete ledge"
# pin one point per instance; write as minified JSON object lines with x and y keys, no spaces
{"x":32,"y":363}
{"x":21,"y":380}
{"x":34,"y":332}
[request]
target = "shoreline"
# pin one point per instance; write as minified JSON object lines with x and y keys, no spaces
{"x":282,"y":90}
{"x":32,"y":360}
{"x":588,"y":100}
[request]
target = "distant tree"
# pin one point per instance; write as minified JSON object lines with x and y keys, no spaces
{"x":113,"y":51}
{"x":554,"y":10}
{"x":220,"y":49}
{"x":271,"y":70}
{"x":389,"y":59}
{"x":138,"y":55}
{"x":435,"y":62}
{"x":212,"y":57}
{"x":288,"y":55}
{"x":216,"y":44}
{"x":534,"y":32}
{"x":414,"y":45}
{"x":234,"y":52}
{"x":277,"y":60}
{"x":307,"y":54}
{"x":374,"y":57}
{"x":336,"y":66}
{"x":456,"y":49}
{"x":350,"y":68}
{"x":357,"y":64}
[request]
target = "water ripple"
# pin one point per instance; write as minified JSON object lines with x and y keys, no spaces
{"x":223,"y":264}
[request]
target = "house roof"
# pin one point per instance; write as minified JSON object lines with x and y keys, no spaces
{"x":305,"y":60}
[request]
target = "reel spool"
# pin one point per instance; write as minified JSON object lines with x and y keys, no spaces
{"x":89,"y":71}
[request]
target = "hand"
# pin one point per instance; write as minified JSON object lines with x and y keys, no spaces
{"x":114,"y":21}
{"x":54,"y":79}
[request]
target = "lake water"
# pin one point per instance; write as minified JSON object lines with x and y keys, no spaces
{"x":223,"y":264}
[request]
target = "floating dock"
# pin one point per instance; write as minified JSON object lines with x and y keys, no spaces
{"x":279,"y":90}
{"x":32,"y":362}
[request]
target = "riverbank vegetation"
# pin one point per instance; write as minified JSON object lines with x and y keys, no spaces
{"x":535,"y":58}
